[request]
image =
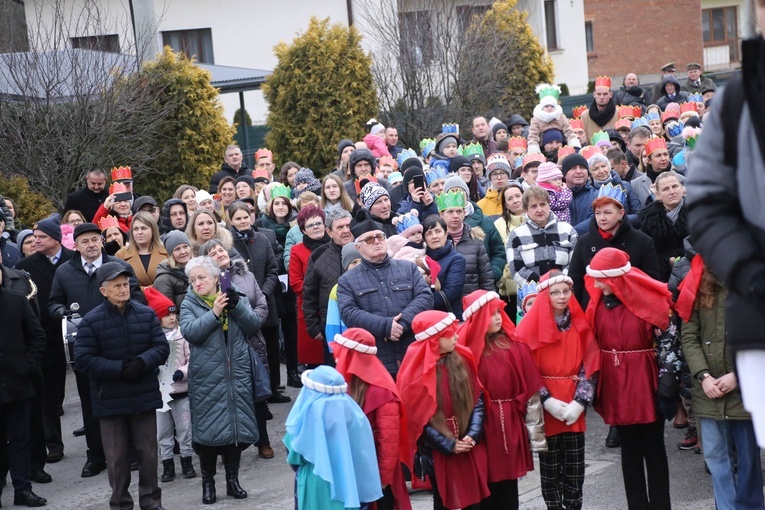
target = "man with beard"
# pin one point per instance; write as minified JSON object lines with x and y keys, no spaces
{"x":631,"y":94}
{"x":552,"y":140}
{"x":602,"y":113}
{"x":88,"y":199}
{"x":658,"y":162}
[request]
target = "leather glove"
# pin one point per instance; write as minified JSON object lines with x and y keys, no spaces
{"x":133,"y":370}
{"x":233,"y":299}
{"x":555,"y":407}
{"x":666,"y":406}
{"x":177,"y":376}
{"x":572,"y":412}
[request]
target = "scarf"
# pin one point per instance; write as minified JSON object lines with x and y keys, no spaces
{"x":244,"y":236}
{"x":675,"y":213}
{"x":547,"y":117}
{"x":601,"y":118}
{"x":210,"y":301}
{"x":312,"y":244}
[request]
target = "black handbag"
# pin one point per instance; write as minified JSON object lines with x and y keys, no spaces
{"x":261,"y":380}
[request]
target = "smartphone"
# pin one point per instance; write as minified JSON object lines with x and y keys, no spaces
{"x":419,"y":181}
{"x":225,"y":281}
{"x":123,"y":196}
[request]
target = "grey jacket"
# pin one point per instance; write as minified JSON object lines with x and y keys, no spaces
{"x":245,"y":281}
{"x":220,"y":373}
{"x":371,"y":294}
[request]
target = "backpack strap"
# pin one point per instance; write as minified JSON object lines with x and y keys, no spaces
{"x":733,"y":105}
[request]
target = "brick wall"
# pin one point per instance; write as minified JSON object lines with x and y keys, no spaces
{"x":642,"y":36}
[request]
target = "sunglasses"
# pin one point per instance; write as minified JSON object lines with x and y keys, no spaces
{"x":374,"y":238}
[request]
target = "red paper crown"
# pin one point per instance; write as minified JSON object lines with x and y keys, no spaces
{"x":108,"y":221}
{"x":517,"y":142}
{"x":603,"y":81}
{"x":629,"y":111}
{"x":577,"y":111}
{"x":653,"y":144}
{"x":590,"y":151}
{"x":623,"y":123}
{"x":117,"y":187}
{"x":576,"y":124}
{"x":122,"y":173}
{"x":689,"y":107}
{"x":533,"y":158}
{"x":263,"y":153}
{"x":669,"y":115}
{"x":563,"y":152}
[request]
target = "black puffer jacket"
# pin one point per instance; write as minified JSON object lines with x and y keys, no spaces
{"x":226,"y":171}
{"x":22,"y":346}
{"x":173,"y":283}
{"x":323,"y":271}
{"x":667,"y":236}
{"x":478,"y":272}
{"x":256,"y":249}
{"x":106,"y":339}
{"x":663,"y":100}
{"x":165,"y":225}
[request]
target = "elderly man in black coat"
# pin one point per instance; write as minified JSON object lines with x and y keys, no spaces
{"x":120,"y":346}
{"x":22,"y":346}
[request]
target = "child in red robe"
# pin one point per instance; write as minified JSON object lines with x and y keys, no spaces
{"x":508,"y":373}
{"x":373,"y":389}
{"x":564,"y":349}
{"x":629,"y":311}
{"x":444,"y":404}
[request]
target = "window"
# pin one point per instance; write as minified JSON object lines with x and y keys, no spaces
{"x":108,"y":43}
{"x":194,"y":43}
{"x":588,"y":36}
{"x":719,"y":28}
{"x":551,"y":25}
{"x":416,"y":37}
{"x":466,"y":14}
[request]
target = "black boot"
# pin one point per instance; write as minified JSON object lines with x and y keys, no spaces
{"x":613,"y":440}
{"x":207,"y":467}
{"x":168,"y":470}
{"x":293,"y":379}
{"x":231,"y":463}
{"x":28,"y":498}
{"x":188,"y":468}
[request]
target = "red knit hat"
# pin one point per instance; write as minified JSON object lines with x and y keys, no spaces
{"x":159,"y":302}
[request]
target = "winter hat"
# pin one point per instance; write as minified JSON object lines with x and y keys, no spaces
{"x":83,"y":228}
{"x":548,"y":101}
{"x":21,"y":236}
{"x":363,"y":223}
{"x":342,"y":145}
{"x":359,"y":155}
{"x":142,"y":201}
{"x":305,"y":176}
{"x":552,"y":135}
{"x":376,"y":129}
{"x":173,"y":239}
{"x":159,"y":302}
{"x":458,"y":162}
{"x":348,"y":255}
{"x":395,"y":177}
{"x":496,"y":127}
{"x":548,"y":172}
{"x":247,"y":179}
{"x":259,"y":176}
{"x":443,"y":139}
{"x":498,"y":162}
{"x":455,"y":181}
{"x":371,"y":193}
{"x":411,"y":171}
{"x":51,"y":226}
{"x":573,"y":160}
{"x":202,"y":196}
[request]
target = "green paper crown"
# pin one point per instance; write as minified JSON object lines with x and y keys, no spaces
{"x":545,"y":89}
{"x":472,"y":148}
{"x":599,"y":136}
{"x":425,"y":141}
{"x":450,"y":199}
{"x":280,"y":190}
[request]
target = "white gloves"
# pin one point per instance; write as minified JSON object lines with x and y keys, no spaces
{"x":557,"y":408}
{"x":572,"y":412}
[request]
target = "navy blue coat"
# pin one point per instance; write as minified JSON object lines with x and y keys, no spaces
{"x":451,"y":276}
{"x":106,"y":339}
{"x":581,"y":207}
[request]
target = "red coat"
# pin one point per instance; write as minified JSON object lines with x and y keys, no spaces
{"x":310,"y":350}
{"x":123,"y":221}
{"x":628,"y":380}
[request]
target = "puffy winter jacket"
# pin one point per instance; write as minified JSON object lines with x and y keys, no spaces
{"x":491,"y":204}
{"x":258,"y":254}
{"x":106,"y":339}
{"x":451,"y":276}
{"x":667,"y":236}
{"x":377,"y":145}
{"x":173,"y":283}
{"x":581,"y":207}
{"x":323,"y":272}
{"x":478,"y":274}
{"x":492,"y":240}
{"x":245,"y":282}
{"x":387,"y":430}
{"x":220,"y":373}
{"x":165,"y":225}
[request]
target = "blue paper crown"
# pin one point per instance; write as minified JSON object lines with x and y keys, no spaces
{"x":695,"y":98}
{"x":439,"y":169}
{"x":428,"y":148}
{"x":450,"y":128}
{"x":652,"y":116}
{"x":614,"y":192}
{"x":674,"y":128}
{"x":640,"y":121}
{"x":405,"y":221}
{"x":518,"y":162}
{"x":404,"y":155}
{"x":527,"y":289}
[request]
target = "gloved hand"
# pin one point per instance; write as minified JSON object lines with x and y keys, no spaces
{"x":555,"y":407}
{"x":133,"y":370}
{"x":177,"y":376}
{"x":572,"y":412}
{"x":666,"y":406}
{"x":233,"y":299}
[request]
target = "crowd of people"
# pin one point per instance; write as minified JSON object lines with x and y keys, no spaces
{"x":448,"y":312}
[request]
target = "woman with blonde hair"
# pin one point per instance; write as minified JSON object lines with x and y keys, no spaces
{"x":202,"y":227}
{"x":144,"y":250}
{"x":333,"y":194}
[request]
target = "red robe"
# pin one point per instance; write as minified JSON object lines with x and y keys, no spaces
{"x":462,"y":479}
{"x":626,"y":393}
{"x":511,"y":378}
{"x":310,"y":350}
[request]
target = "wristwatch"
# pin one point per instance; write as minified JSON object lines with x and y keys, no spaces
{"x":704,"y":376}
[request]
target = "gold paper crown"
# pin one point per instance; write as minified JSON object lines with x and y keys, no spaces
{"x":653,"y":144}
{"x":122,"y":173}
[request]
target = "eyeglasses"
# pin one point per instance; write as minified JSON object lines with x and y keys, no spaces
{"x":560,"y":293}
{"x":374,"y":238}
{"x":74,"y":221}
{"x":315,"y":224}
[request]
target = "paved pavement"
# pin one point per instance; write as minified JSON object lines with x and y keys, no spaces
{"x":270,"y":482}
